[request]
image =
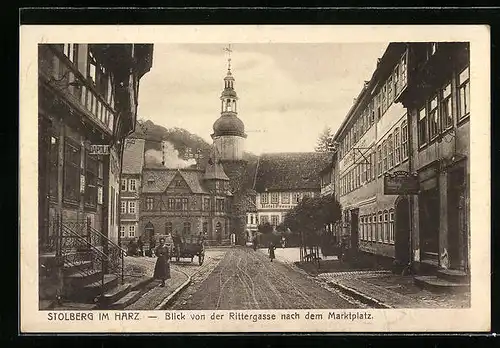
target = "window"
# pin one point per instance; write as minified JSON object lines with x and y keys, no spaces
{"x":446,"y":110}
{"x":123,"y":207}
{"x":385,"y":236}
{"x":91,"y":172}
{"x":422,"y":127}
{"x":404,"y":140}
{"x":433,"y":118}
{"x":113,"y":205}
{"x":275,"y":220}
{"x":369,"y":231}
{"x":264,"y":219}
{"x":187,"y":228}
{"x":464,"y":93}
{"x":380,"y":227}
{"x":205,"y":227}
{"x":296,"y":197}
{"x":92,"y":68}
{"x":53,"y":170}
{"x":384,"y":156}
{"x":149,"y":203}
{"x":168,"y":227}
{"x":124,"y":185}
{"x":72,"y":172}
{"x":369,"y":168}
{"x":122,"y":231}
{"x":372,"y":113}
{"x":285,"y":197}
{"x":131,"y":207}
{"x":70,"y":51}
{"x":131,"y":231}
{"x":379,"y":160}
{"x":264,"y":198}
{"x":206,"y":204}
{"x":397,"y":147}
{"x":178,"y":204}
{"x":220,"y":204}
{"x":131,"y":185}
{"x":171,"y":204}
{"x":390,"y":91}
{"x":372,"y":161}
{"x":390,"y":152}
{"x":391,"y":226}
{"x":275,"y":197}
{"x":184,"y":202}
{"x":362,"y":227}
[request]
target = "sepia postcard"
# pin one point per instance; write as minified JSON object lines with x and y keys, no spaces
{"x":180,"y":179}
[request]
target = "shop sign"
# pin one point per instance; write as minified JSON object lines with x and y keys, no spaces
{"x":99,"y":149}
{"x":401,"y":183}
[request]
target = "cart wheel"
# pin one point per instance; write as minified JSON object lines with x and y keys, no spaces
{"x":201,"y":257}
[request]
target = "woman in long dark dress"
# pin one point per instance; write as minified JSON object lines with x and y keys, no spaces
{"x":271,"y":251}
{"x":162,"y":267}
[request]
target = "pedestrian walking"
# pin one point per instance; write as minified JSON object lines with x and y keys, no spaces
{"x":162,"y":267}
{"x":254,"y":242}
{"x":140,"y":246}
{"x":271,"y":251}
{"x":132,"y":247}
{"x":152,"y":246}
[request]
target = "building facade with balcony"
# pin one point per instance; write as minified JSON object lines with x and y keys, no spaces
{"x":412,"y":116}
{"x":87,"y":96}
{"x":438,"y":102}
{"x":130,"y":188}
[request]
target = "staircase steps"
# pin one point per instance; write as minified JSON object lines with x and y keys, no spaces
{"x":453,"y":275}
{"x":90,"y":292}
{"x":124,"y":295}
{"x":436,"y":284}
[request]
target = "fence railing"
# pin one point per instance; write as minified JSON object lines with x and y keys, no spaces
{"x":77,"y":242}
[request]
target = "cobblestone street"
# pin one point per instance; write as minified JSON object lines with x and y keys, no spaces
{"x":245,"y":279}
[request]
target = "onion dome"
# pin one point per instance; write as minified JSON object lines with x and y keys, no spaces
{"x":229,"y":124}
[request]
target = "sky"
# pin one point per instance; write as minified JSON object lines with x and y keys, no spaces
{"x":288,"y":93}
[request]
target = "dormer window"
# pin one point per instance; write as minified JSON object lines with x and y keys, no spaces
{"x":151,"y":181}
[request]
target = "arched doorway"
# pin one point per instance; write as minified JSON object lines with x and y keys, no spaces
{"x":402,"y":231}
{"x":149,"y":230}
{"x":218,"y":232}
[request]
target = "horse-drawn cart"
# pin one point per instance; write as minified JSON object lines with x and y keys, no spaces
{"x":189,"y":248}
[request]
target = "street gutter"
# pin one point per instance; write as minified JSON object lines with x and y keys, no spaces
{"x":176,"y":292}
{"x":360,"y":296}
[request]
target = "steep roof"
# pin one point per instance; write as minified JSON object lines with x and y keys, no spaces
{"x":158,"y":180}
{"x":214,"y":169}
{"x":133,"y":156}
{"x":290,"y":171}
{"x":194,"y":180}
{"x":155,"y":181}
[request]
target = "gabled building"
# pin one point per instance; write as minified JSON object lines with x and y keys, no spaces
{"x":187,"y":202}
{"x":283,"y":179}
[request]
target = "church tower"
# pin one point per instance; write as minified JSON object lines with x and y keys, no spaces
{"x":229,"y":131}
{"x":229,"y":140}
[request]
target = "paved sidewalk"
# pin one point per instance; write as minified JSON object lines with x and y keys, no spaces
{"x":156,"y":296}
{"x":386,"y":290}
{"x":137,"y":268}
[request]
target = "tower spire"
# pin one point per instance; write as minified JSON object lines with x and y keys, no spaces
{"x":229,"y":51}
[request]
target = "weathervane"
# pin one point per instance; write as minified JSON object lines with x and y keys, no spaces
{"x":228,"y":50}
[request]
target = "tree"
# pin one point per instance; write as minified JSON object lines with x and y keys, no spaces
{"x":310,"y":216}
{"x":324,"y":140}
